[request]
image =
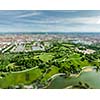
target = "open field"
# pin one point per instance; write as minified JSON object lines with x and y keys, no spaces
{"x":22,"y":77}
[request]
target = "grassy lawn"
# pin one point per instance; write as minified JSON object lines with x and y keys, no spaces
{"x":45,"y":56}
{"x":68,"y":45}
{"x":25,"y":77}
{"x":53,"y":71}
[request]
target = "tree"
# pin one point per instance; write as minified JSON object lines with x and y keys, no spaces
{"x":2,"y":75}
{"x":82,"y":59}
{"x":11,"y":87}
{"x":21,"y":86}
{"x":97,"y":68}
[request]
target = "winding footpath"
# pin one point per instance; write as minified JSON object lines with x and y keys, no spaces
{"x":55,"y":75}
{"x":25,"y":70}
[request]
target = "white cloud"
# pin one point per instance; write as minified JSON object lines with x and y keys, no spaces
{"x":60,"y":23}
{"x":85,"y":20}
{"x":29,"y":14}
{"x":98,"y":22}
{"x":79,"y":20}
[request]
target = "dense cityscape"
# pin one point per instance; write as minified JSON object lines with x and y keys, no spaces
{"x":19,"y":42}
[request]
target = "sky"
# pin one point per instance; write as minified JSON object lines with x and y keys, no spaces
{"x":49,"y":20}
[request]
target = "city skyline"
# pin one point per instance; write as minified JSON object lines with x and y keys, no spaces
{"x":50,"y":21}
